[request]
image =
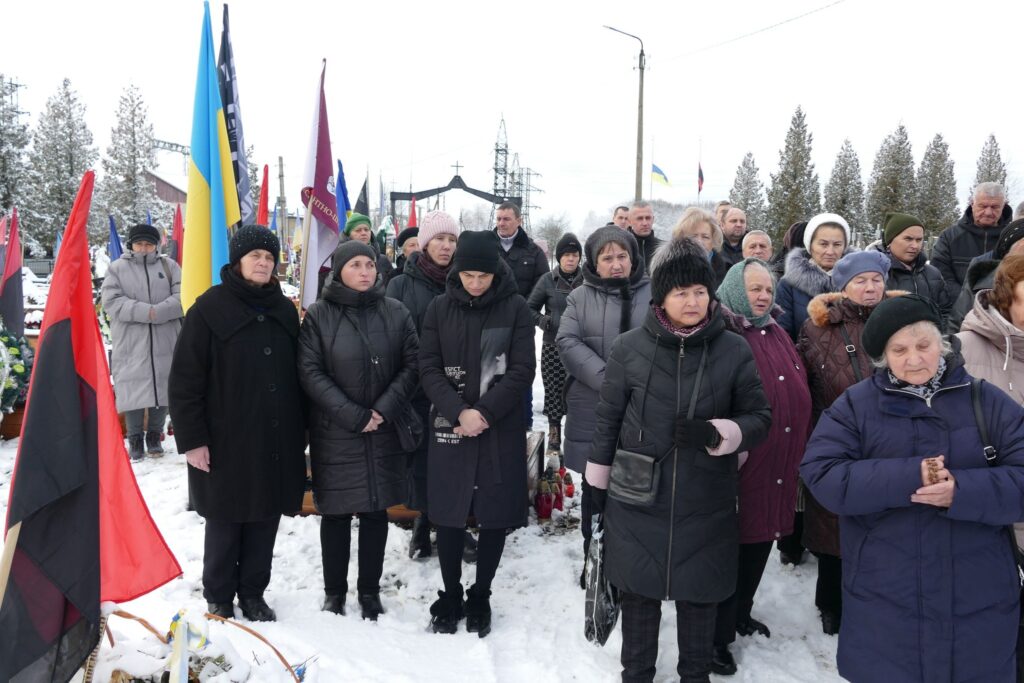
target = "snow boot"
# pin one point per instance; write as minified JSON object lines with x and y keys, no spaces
{"x":830,"y":622}
{"x":135,"y":448}
{"x":554,"y":437}
{"x":370,"y":605}
{"x":469,"y":551}
{"x":256,"y":609}
{"x":225,"y":610}
{"x":334,"y":604}
{"x":446,"y":612}
{"x":419,"y":545}
{"x":722,"y":661}
{"x":749,"y":626}
{"x":153,"y":445}
{"x":478,"y":611}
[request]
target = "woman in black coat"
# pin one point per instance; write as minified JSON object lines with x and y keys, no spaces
{"x":357,"y":365}
{"x":237,"y":410}
{"x":684,"y":546}
{"x":476,"y":361}
{"x":547,"y":301}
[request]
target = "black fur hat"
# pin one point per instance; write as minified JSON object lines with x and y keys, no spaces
{"x":680,"y":262}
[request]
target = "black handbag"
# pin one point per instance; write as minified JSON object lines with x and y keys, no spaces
{"x":409,"y":427}
{"x":634,"y":476}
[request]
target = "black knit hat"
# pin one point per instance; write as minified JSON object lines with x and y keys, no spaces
{"x":249,"y":237}
{"x":1010,"y":235}
{"x":567,"y":243}
{"x":406,"y":234}
{"x":477,"y":250}
{"x":680,"y":262}
{"x":347,"y":251}
{"x":891,"y":316}
{"x":143,"y":233}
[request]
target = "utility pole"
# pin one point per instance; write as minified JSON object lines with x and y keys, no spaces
{"x":282,"y":204}
{"x":638,"y":190}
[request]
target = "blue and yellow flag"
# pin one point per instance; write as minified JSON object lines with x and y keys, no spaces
{"x":212,"y":203}
{"x":659,"y":176}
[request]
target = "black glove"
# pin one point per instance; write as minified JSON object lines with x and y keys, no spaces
{"x":598,"y":498}
{"x":545,"y":323}
{"x":696,"y":434}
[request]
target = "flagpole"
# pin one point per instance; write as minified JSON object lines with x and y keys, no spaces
{"x":650,"y":178}
{"x":700,"y":154}
{"x":305,"y":249}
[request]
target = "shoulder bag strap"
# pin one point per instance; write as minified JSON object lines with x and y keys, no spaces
{"x":851,"y":351}
{"x":979,"y":417}
{"x":692,"y":408}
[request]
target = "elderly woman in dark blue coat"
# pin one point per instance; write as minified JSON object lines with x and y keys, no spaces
{"x":930,"y":587}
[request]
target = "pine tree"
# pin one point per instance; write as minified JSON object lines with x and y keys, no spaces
{"x":748,"y":193}
{"x":127,"y":192}
{"x":794,"y":194}
{"x":62,"y":151}
{"x":892,"y":186}
{"x":936,"y":188}
{"x":13,"y":145}
{"x":844,"y":192}
{"x":990,"y":164}
{"x":255,"y":179}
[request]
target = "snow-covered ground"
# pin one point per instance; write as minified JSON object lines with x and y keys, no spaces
{"x":537,"y":603}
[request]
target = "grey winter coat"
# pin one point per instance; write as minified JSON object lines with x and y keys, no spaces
{"x":591,"y":322}
{"x":547,"y":300}
{"x":136,"y":284}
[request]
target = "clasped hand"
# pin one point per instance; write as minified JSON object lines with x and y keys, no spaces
{"x":471,"y":423}
{"x":376,"y":419}
{"x":937,"y":483}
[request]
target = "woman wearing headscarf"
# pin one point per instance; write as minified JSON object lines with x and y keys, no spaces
{"x":358,"y":366}
{"x":930,"y":586}
{"x":685,"y":391}
{"x":826,"y":239}
{"x":238,"y":416}
{"x":768,"y":477}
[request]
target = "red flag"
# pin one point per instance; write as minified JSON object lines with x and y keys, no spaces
{"x":263,"y":212}
{"x":78,"y":530}
{"x":12,"y":303}
{"x":3,"y":231}
{"x":178,"y":234}
{"x":412,"y":215}
{"x":700,"y":178}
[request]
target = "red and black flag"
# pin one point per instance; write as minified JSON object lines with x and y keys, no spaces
{"x":78,"y":531}
{"x":12,"y":303}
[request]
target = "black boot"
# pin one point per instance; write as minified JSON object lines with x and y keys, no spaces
{"x":722,"y":662}
{"x":135,"y":448}
{"x":446,"y":612}
{"x":334,"y":603}
{"x":256,"y":609}
{"x":153,"y":445}
{"x":554,"y":437}
{"x":221,"y":609}
{"x":750,"y":626}
{"x":478,"y":611}
{"x":830,"y":622}
{"x":370,"y":605}
{"x":469,"y":553}
{"x":419,"y":546}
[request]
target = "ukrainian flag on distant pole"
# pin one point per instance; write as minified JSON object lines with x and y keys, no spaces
{"x":659,"y":176}
{"x":212,"y":203}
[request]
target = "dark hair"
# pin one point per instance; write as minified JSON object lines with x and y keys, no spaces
{"x":620,"y":207}
{"x":1008,"y":274}
{"x":506,"y":205}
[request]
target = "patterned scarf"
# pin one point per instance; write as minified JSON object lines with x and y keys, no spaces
{"x":681,"y":332}
{"x":926,"y":390}
{"x":434,"y":272}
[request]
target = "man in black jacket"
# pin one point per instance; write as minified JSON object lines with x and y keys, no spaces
{"x":734,"y":227}
{"x":641,"y":224}
{"x":973,"y":235}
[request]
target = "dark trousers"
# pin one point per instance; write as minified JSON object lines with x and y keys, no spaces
{"x":528,"y":409}
{"x":336,"y":546}
{"x":237,"y":558}
{"x":752,"y":560}
{"x":451,"y":543}
{"x":133,"y":420}
{"x":792,"y":545}
{"x":828,"y":593}
{"x":695,"y":633}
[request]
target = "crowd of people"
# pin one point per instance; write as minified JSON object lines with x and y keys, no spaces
{"x":721,"y":395}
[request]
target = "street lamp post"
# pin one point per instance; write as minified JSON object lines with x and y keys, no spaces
{"x":639,"y":118}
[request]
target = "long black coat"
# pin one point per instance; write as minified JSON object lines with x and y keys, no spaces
{"x":234,"y":388}
{"x":344,"y":379}
{"x":685,"y":546}
{"x":477,"y":353}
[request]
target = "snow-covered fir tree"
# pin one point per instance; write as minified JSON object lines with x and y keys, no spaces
{"x":748,"y":193}
{"x":126,"y":191}
{"x":13,"y":147}
{"x":892,"y":186}
{"x":62,"y":151}
{"x":794,"y":194}
{"x":990,"y":164}
{"x":844,"y":192}
{"x":255,"y":179}
{"x":936,"y":188}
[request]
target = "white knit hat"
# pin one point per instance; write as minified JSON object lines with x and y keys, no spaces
{"x":821,"y":219}
{"x":437,"y":223}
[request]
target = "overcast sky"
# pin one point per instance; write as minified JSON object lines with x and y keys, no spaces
{"x":414,"y":87}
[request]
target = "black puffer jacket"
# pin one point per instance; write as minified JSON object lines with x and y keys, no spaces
{"x":685,"y":546}
{"x":980,"y":275}
{"x":414,"y":289}
{"x":477,"y":352}
{"x":547,"y":300}
{"x":960,"y":243}
{"x":357,"y":352}
{"x":648,"y":244}
{"x":527,"y":262}
{"x":922,"y":278}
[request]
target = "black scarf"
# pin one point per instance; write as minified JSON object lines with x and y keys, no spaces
{"x":260,"y":297}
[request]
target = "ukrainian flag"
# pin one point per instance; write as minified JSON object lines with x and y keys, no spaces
{"x":212,"y":204}
{"x":658,"y":175}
